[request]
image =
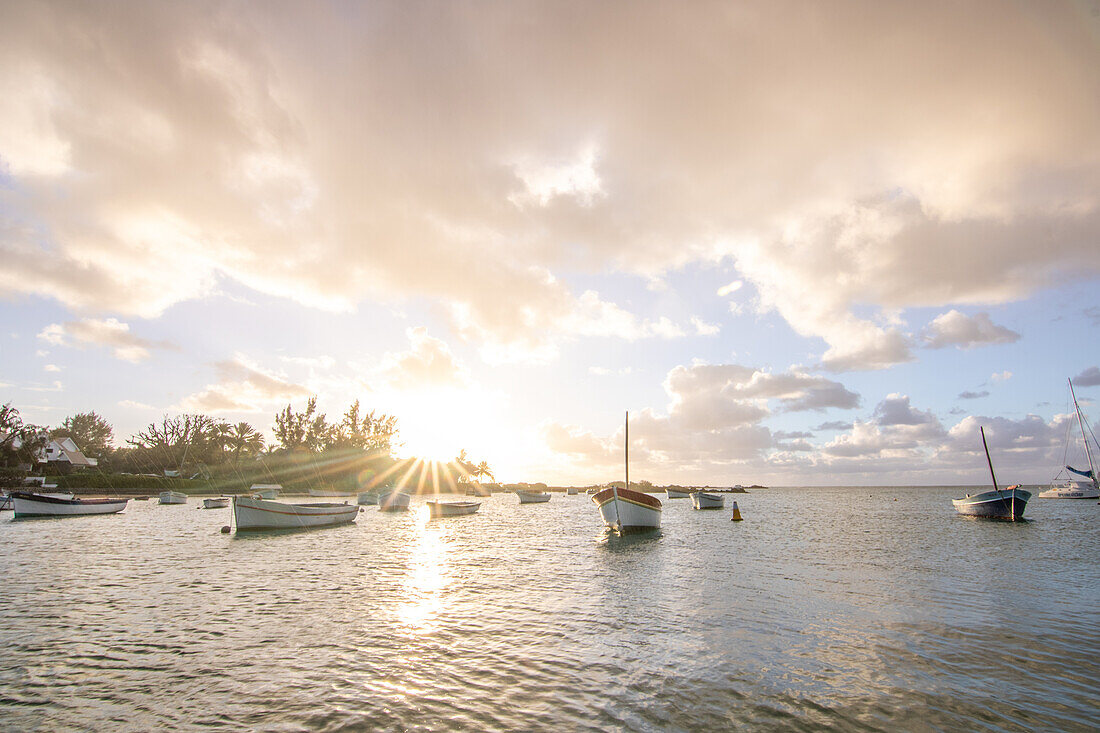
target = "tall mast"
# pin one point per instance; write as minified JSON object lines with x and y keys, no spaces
{"x":988,"y":460}
{"x":1084,"y":435}
{"x":626,"y":459}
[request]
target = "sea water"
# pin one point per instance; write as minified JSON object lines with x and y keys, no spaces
{"x":840,"y":608}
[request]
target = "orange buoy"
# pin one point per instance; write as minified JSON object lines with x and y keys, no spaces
{"x":736,"y":513}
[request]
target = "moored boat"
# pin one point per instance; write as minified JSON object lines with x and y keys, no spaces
{"x":368,"y":498}
{"x":265,"y":491}
{"x":452,"y":508}
{"x":394,"y":501}
{"x":250,"y":513}
{"x":996,"y":504}
{"x":676,"y":494}
{"x":220,"y":502}
{"x":331,"y":493}
{"x":5,"y":502}
{"x":173,"y":497}
{"x":28,"y":504}
{"x":1065,"y":484}
{"x":571,"y":491}
{"x":626,"y":510}
{"x":532,"y":497}
{"x":703,"y":500}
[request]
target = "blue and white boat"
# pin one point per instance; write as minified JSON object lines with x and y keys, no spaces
{"x":996,"y":504}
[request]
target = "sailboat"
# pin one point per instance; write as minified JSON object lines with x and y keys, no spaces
{"x":625,"y":510}
{"x":997,"y":504}
{"x":1064,"y":485}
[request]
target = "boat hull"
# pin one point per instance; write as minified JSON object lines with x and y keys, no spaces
{"x":38,"y":505}
{"x":1071,"y":490}
{"x":998,"y":504}
{"x":627,"y":510}
{"x":172,"y":497}
{"x":6,"y":503}
{"x":452,"y":508}
{"x":673,"y":494}
{"x":395,"y":501}
{"x":368,"y":498}
{"x":252,"y":514}
{"x":219,"y":503}
{"x":533,"y":497}
{"x":265,"y":491}
{"x":701,"y":500}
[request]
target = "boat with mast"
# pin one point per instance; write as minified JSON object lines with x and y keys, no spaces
{"x":1065,"y":485}
{"x":625,"y":510}
{"x":996,"y":504}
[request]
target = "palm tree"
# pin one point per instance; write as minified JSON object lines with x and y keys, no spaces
{"x":243,"y":438}
{"x":482,"y":470}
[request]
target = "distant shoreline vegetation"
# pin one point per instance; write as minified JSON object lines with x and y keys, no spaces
{"x":199,"y":454}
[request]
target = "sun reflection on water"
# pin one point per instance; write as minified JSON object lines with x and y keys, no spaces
{"x":428,"y":575}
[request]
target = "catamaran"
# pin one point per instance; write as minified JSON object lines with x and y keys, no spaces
{"x":1065,"y":485}
{"x":625,"y":510}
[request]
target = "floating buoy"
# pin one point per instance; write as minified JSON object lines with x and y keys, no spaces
{"x":225,"y":529}
{"x":736,"y":513}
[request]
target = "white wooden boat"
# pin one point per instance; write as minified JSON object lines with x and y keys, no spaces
{"x":625,"y":510}
{"x":676,"y":494}
{"x":394,"y":501}
{"x":331,"y":493}
{"x":173,"y":497}
{"x":452,"y":508}
{"x":996,"y":504}
{"x":250,"y":513}
{"x":571,"y":491}
{"x":28,"y":504}
{"x":703,"y":500}
{"x":532,"y":497}
{"x":368,"y":497}
{"x":1065,"y":484}
{"x":265,"y":491}
{"x":220,"y":502}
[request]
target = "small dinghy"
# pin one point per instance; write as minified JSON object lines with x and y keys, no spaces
{"x":394,"y":501}
{"x":452,"y":508}
{"x":220,"y":502}
{"x":250,"y":513}
{"x":42,"y":505}
{"x":996,"y":504}
{"x":368,"y":498}
{"x":532,"y":497}
{"x":173,"y":497}
{"x":676,"y":494}
{"x":703,"y":500}
{"x":265,"y":491}
{"x":625,"y":510}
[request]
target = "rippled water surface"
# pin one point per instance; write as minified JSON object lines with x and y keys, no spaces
{"x":851,"y":609}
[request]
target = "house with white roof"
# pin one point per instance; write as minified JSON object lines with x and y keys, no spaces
{"x":64,"y":451}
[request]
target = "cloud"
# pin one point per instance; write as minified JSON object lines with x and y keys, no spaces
{"x":732,"y":287}
{"x":242,"y":386}
{"x":1001,"y":376}
{"x":400,"y":152}
{"x":52,"y":368}
{"x":973,"y":395}
{"x":133,"y":405}
{"x":966,"y":332}
{"x":702,"y":328}
{"x":110,"y":332}
{"x":428,"y":363}
{"x":1088,"y":378}
{"x":834,"y":425}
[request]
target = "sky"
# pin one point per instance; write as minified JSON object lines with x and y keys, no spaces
{"x":802,"y":243}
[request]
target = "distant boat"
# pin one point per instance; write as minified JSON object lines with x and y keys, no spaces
{"x":331,"y":493}
{"x":532,"y":497}
{"x":394,"y":501}
{"x":452,"y":508}
{"x":676,"y":494}
{"x":571,"y":491}
{"x":368,"y":497}
{"x":173,"y":497}
{"x":40,"y":505}
{"x":996,"y":504}
{"x":625,"y":510}
{"x":220,"y":502}
{"x":1070,"y":487}
{"x":250,"y":513}
{"x":5,"y":502}
{"x":265,"y":491}
{"x":703,"y":500}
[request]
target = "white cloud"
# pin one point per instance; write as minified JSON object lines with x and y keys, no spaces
{"x":133,"y":405}
{"x":965,"y":332}
{"x":1001,"y":376}
{"x":732,"y":287}
{"x":110,"y":332}
{"x":427,"y":363}
{"x":52,"y":368}
{"x":242,"y":386}
{"x":702,"y":328}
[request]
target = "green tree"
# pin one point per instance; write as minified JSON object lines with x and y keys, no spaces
{"x":244,"y":440}
{"x":302,"y":430}
{"x":176,"y":441}
{"x":374,"y":433}
{"x":91,"y":433}
{"x":20,"y":443}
